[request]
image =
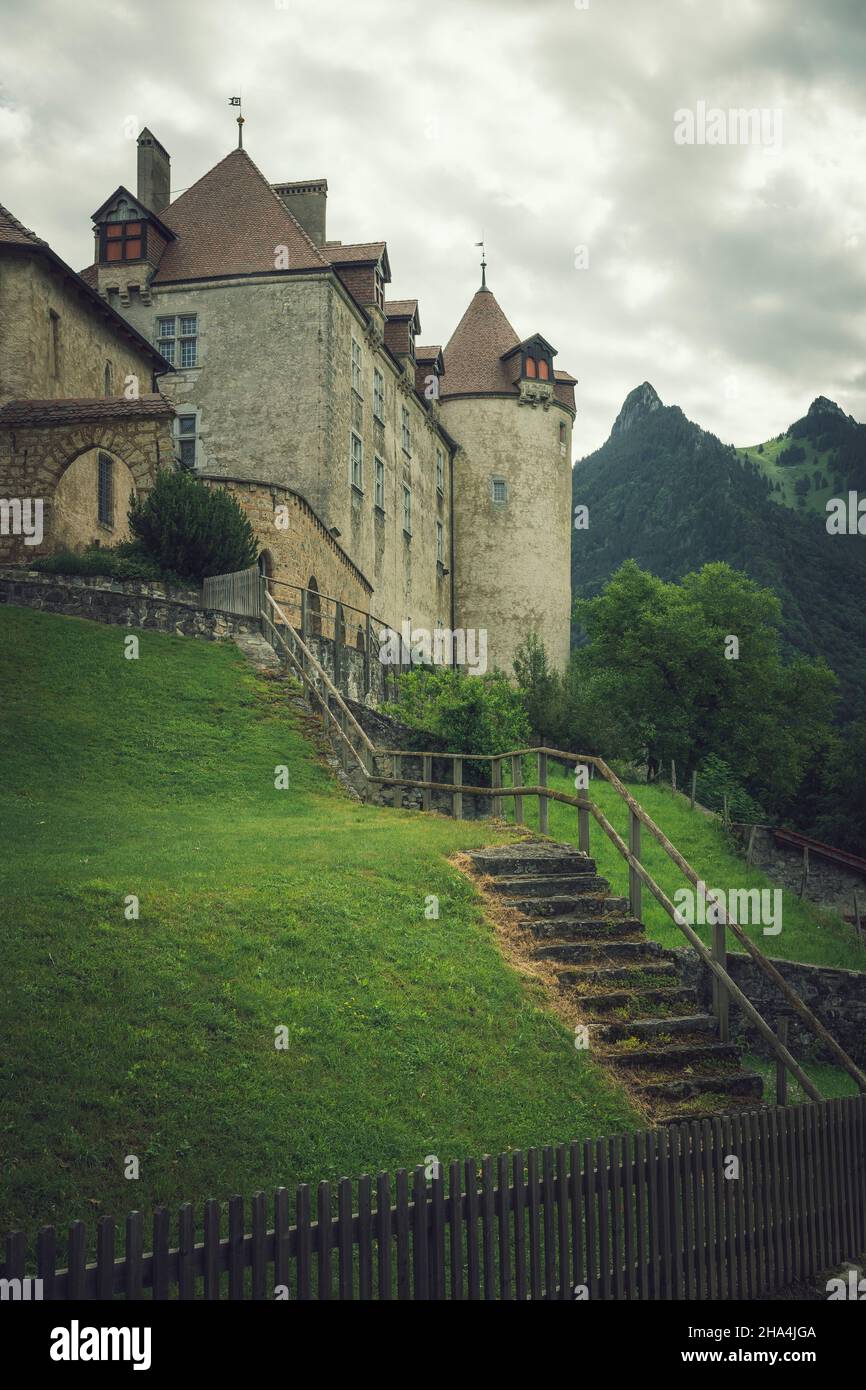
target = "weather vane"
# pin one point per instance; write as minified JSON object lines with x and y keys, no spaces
{"x":483,"y":264}
{"x":236,"y":101}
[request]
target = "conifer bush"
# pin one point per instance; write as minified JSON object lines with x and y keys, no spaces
{"x":192,"y":530}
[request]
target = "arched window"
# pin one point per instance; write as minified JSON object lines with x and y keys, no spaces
{"x":107,"y":385}
{"x":530,"y":366}
{"x":265,"y":563}
{"x":543,"y":369}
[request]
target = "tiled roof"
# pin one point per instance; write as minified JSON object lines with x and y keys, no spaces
{"x":230,"y":223}
{"x":82,"y":409}
{"x":427,"y":354}
{"x":473,"y":364}
{"x":337,"y":254}
{"x":400,"y":308}
{"x":11,"y":230}
{"x":90,"y":276}
{"x":474,"y":353}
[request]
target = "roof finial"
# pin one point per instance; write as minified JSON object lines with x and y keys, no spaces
{"x":483,"y":264}
{"x":236,"y":101}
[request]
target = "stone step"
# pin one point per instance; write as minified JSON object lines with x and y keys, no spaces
{"x":587,"y":929}
{"x":558,"y":905}
{"x":676,"y":1114}
{"x":671,"y":1057}
{"x":602,"y":953}
{"x":533,"y":858}
{"x":589,"y":907}
{"x":740,"y":1083}
{"x":546,"y":885}
{"x":633,"y":1000}
{"x":596,"y":976}
{"x":649,"y":1028}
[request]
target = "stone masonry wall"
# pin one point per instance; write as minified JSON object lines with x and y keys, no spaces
{"x":124,"y":603}
{"x":828,"y":884}
{"x":837,"y":997}
{"x":29,"y":290}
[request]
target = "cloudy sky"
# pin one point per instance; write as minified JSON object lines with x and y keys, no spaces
{"x":733,"y":277}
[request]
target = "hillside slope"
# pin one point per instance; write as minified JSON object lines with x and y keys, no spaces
{"x":259,"y":909}
{"x":673,"y":497}
{"x":820,"y":456}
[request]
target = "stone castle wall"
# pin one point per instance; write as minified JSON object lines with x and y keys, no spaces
{"x":513,"y":560}
{"x":86,"y":343}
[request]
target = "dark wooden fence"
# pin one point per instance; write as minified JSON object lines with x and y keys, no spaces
{"x":727,"y":1207}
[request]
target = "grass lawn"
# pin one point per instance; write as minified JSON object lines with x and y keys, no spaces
{"x":259,"y":909}
{"x":808,"y":933}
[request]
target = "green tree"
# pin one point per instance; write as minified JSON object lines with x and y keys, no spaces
{"x":472,"y":714}
{"x":541,"y":688}
{"x":190,"y":529}
{"x":665,"y":679}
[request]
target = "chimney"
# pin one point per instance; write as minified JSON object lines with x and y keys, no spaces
{"x":306,"y":202}
{"x":154,"y":173}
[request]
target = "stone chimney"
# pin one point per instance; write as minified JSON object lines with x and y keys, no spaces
{"x":154,"y":173}
{"x":306,"y":202}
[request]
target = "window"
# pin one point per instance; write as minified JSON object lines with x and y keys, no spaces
{"x":357,"y":462}
{"x":499,"y":489}
{"x":356,"y":367}
{"x":379,"y":486}
{"x":105,"y":490}
{"x":123,"y":241}
{"x":407,"y":509}
{"x":177,"y":339}
{"x":407,"y":433}
{"x":563,"y":438}
{"x":379,"y":289}
{"x":378,"y":395}
{"x":543,"y":369}
{"x":530,"y":367}
{"x":107,"y":389}
{"x":53,"y":343}
{"x":187,"y":440}
{"x":440,"y":543}
{"x":440,"y":471}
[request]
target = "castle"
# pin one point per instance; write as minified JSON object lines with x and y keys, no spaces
{"x":428,"y":486}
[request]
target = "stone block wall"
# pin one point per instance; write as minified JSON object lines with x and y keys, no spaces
{"x":831,"y":885}
{"x":123,"y":603}
{"x":836,"y":997}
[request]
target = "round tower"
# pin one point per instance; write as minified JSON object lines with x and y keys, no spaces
{"x":512,"y":415}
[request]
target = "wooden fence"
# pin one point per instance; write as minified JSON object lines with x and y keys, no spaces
{"x":727,"y":1207}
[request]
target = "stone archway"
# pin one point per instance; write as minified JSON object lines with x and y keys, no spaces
{"x":39,"y":440}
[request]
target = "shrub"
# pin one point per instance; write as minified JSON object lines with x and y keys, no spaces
{"x":716,"y":780}
{"x":472,"y":714}
{"x":124,"y":561}
{"x":192,"y":530}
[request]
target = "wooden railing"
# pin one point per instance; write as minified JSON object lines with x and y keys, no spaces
{"x":355,"y":746}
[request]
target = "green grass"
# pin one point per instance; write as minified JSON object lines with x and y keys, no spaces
{"x":808,"y":933}
{"x":788,"y":475}
{"x":258,"y":908}
{"x":831,"y":1081}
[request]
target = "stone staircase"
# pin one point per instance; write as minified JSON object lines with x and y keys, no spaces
{"x":645,"y":1026}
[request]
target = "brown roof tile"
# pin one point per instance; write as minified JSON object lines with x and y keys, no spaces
{"x":230,"y":223}
{"x":473,"y":364}
{"x":90,"y":276}
{"x":11,"y":230}
{"x":428,"y":353}
{"x":81,"y":409}
{"x":401,"y":308}
{"x":337,"y":254}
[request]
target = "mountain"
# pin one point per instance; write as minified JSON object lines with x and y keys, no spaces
{"x":672,"y":496}
{"x":818,"y":457}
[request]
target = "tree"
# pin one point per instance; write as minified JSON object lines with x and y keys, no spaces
{"x":472,"y":714}
{"x":665,"y":680}
{"x":190,"y":529}
{"x":540,"y":687}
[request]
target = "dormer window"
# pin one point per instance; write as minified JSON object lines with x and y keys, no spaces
{"x":529,"y":367}
{"x":123,"y":241}
{"x":379,"y":289}
{"x":543,"y":369}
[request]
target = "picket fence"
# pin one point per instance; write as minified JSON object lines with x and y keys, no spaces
{"x":726,"y":1207}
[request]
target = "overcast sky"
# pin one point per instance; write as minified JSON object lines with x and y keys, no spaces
{"x":731,"y":277}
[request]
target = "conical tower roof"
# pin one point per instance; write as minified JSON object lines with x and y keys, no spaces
{"x":473,"y":356}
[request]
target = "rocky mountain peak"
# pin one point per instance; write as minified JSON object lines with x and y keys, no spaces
{"x":638,"y":404}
